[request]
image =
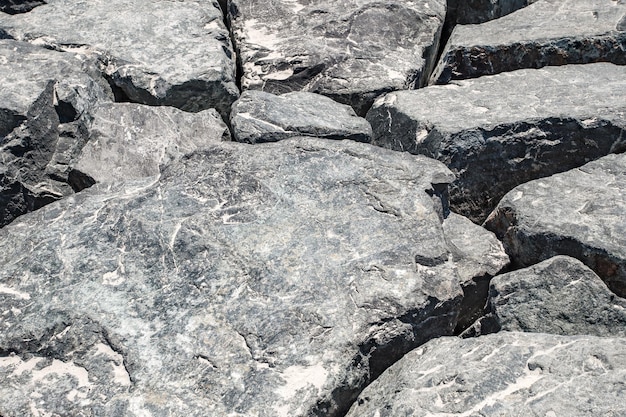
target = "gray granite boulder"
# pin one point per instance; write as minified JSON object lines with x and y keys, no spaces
{"x":350,"y":50}
{"x":579,"y":213}
{"x":19,"y":6}
{"x":500,"y":131}
{"x":275,"y":279}
{"x":559,"y":296}
{"x":479,"y":11}
{"x":547,"y":32}
{"x":156,"y":52}
{"x":505,"y":374}
{"x":264,"y":117}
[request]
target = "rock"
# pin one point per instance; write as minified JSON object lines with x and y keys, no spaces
{"x":274,"y":279}
{"x":19,"y":6}
{"x":130,"y":141}
{"x":579,"y":213}
{"x":349,"y":50}
{"x":547,"y":32}
{"x":479,"y":256}
{"x":558,"y":296}
{"x":46,"y":98}
{"x":157,"y":52}
{"x":500,"y":131}
{"x":505,"y":374}
{"x":480,"y":11}
{"x":263,"y":117}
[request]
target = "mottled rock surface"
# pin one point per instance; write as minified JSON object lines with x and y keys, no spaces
{"x":158,"y":52}
{"x":264,"y":117}
{"x":579,"y":213}
{"x":547,"y":32}
{"x":500,"y":131}
{"x":19,"y":6}
{"x":479,"y":11}
{"x":506,"y":374}
{"x":350,"y":50}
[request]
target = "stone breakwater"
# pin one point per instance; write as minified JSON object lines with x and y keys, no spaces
{"x":310,"y":208}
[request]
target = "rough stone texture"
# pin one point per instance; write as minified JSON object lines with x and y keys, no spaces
{"x":479,"y":11}
{"x":45,"y":100}
{"x":19,"y":6}
{"x":273,"y":280}
{"x":557,"y":296}
{"x":129,"y":141}
{"x":500,"y":131}
{"x":579,"y":213}
{"x":158,"y":52}
{"x":264,"y":117}
{"x":350,"y":50}
{"x":506,"y":374}
{"x":548,"y":32}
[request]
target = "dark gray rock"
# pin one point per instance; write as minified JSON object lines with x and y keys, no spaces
{"x":506,"y":374}
{"x":19,"y":6}
{"x":157,"y":52}
{"x":350,"y":50}
{"x":273,"y":280}
{"x":45,"y":101}
{"x":264,"y":117}
{"x":500,"y":131}
{"x":479,"y":11}
{"x":579,"y":213}
{"x":547,"y":32}
{"x":558,"y":296}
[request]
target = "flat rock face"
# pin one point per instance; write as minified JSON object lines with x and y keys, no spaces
{"x":350,"y":50}
{"x":478,"y":11}
{"x":512,"y":374}
{"x":500,"y":131}
{"x":579,"y":213}
{"x":547,"y":32}
{"x":157,"y":52}
{"x":264,"y":117}
{"x":272,"y":280}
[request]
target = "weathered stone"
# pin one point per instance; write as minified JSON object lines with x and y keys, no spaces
{"x":19,"y":6}
{"x":350,"y":50}
{"x":479,"y":11}
{"x":558,"y":296}
{"x":274,"y":279}
{"x":500,"y":131}
{"x":45,"y":100}
{"x":505,"y":374}
{"x":579,"y":213}
{"x":129,"y":141}
{"x":157,"y":52}
{"x":547,"y":32}
{"x":264,"y":117}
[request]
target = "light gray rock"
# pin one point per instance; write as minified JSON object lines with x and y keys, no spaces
{"x":479,"y":11}
{"x":272,"y":280}
{"x":506,"y":374}
{"x":158,"y":52}
{"x":264,"y":117}
{"x":500,"y":131}
{"x":19,"y":6}
{"x":547,"y":32}
{"x":559,"y":296}
{"x":579,"y":213}
{"x":349,"y":50}
{"x":45,"y":100}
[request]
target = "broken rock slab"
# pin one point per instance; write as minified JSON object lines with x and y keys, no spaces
{"x":275,"y":279}
{"x":579,"y":213}
{"x":500,"y":131}
{"x":509,"y":373}
{"x":349,"y":50}
{"x":547,"y":32}
{"x":264,"y":117}
{"x":158,"y":52}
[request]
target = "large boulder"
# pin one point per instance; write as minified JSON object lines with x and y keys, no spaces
{"x":156,"y":52}
{"x":350,"y":50}
{"x":275,"y":279}
{"x":547,"y":32}
{"x":505,"y":374}
{"x":579,"y":213}
{"x":500,"y":131}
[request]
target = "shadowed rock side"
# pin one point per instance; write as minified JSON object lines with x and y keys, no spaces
{"x":547,"y":32}
{"x":157,"y":52}
{"x":579,"y":213}
{"x":497,"y":132}
{"x":349,"y":50}
{"x":506,"y":374}
{"x":479,"y":11}
{"x":19,"y":6}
